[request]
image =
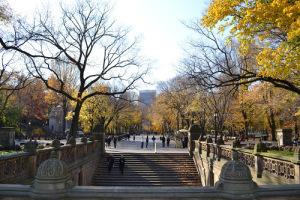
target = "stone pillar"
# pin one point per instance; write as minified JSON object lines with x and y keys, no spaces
{"x":210,"y":178}
{"x":194,"y":134}
{"x":32,"y":165}
{"x":7,"y":137}
{"x":235,"y":180}
{"x":100,"y":144}
{"x":30,"y":147}
{"x":284,"y":136}
{"x":52,"y":180}
{"x":296,"y":161}
{"x":258,"y":165}
{"x":207,"y":150}
{"x":84,"y":141}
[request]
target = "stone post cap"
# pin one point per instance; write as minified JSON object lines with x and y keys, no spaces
{"x":52,"y":178}
{"x":56,"y":144}
{"x":236,"y":178}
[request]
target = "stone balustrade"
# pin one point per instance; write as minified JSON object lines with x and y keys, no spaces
{"x":19,"y":167}
{"x":53,"y":181}
{"x":265,"y":170}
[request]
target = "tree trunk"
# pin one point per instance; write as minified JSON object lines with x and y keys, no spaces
{"x":246,"y":122}
{"x":65,"y":112}
{"x":272,"y":124}
{"x":75,"y":120}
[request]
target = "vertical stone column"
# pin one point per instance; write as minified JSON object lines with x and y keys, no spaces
{"x":30,"y":147}
{"x":100,"y":143}
{"x":207,"y":149}
{"x":258,"y":165}
{"x":259,"y":147}
{"x":194,"y":134}
{"x":32,"y":165}
{"x":296,"y":161}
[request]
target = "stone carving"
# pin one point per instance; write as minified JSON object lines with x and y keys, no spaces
{"x":235,"y":177}
{"x":13,"y":167}
{"x":55,"y":144}
{"x":52,"y":178}
{"x":67,"y":155}
{"x":279,"y":168}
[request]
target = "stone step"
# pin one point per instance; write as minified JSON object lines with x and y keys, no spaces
{"x":149,"y":170}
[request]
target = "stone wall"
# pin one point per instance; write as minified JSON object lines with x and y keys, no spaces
{"x":264,"y":170}
{"x":82,"y":160}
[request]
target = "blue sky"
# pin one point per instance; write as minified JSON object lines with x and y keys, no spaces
{"x":156,"y":22}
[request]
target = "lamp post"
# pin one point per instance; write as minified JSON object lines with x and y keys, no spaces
{"x":215,"y":122}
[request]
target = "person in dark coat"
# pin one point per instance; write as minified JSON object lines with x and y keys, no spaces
{"x":110,"y":160}
{"x":147,"y":141}
{"x":168,"y":141}
{"x":108,"y":141}
{"x":122,"y":164}
{"x":163,"y":140}
{"x":153,"y":139}
{"x":115,"y":142}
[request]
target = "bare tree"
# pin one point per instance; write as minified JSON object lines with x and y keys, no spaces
{"x":11,"y":80}
{"x":213,"y":63}
{"x":177,"y":98}
{"x":85,"y":38}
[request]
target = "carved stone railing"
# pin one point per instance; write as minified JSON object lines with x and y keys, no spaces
{"x":68,"y":154}
{"x":14,"y":167}
{"x":288,"y":171}
{"x":22,"y":166}
{"x":42,"y":155}
{"x":279,"y":167}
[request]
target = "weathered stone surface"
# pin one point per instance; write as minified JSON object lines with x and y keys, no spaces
{"x":194,"y":134}
{"x":55,"y":144}
{"x":52,"y":180}
{"x":235,"y":178}
{"x":7,"y":137}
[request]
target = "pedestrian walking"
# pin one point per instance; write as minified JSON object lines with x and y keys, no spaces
{"x":110,"y":160}
{"x":122,"y":164}
{"x":108,"y":141}
{"x":147,"y":141}
{"x":153,"y":139}
{"x":115,"y":142}
{"x":142,"y":143}
{"x":168,"y":141}
{"x":163,"y":140}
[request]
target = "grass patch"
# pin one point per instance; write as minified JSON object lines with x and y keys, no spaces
{"x":286,"y":155}
{"x":8,"y":152}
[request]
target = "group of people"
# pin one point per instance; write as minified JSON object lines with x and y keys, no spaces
{"x":163,"y":140}
{"x":109,"y":139}
{"x":111,"y":161}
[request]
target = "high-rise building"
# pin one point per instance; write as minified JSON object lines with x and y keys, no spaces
{"x":147,"y":97}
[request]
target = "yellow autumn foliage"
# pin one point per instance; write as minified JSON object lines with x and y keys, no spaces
{"x":272,"y":25}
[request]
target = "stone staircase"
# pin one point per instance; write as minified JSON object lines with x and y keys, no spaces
{"x":149,"y":169}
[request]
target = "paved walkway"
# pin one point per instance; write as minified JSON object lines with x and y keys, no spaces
{"x":134,"y":146}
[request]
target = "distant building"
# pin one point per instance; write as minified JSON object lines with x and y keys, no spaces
{"x":147,"y":97}
{"x":56,"y":117}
